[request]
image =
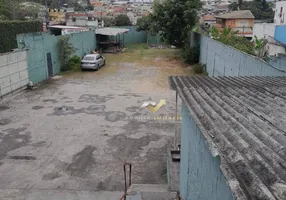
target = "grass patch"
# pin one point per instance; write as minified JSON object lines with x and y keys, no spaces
{"x":141,"y":54}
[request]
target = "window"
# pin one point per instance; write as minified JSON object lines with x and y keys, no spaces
{"x":90,"y":58}
{"x":73,"y":19}
{"x":90,"y":19}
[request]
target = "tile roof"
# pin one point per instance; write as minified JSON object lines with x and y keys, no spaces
{"x":208,"y":18}
{"x":238,"y":14}
{"x":243,"y":120}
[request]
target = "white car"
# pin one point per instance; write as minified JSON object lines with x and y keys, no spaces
{"x":92,"y":61}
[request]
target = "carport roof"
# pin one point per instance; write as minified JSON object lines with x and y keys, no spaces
{"x":243,"y":120}
{"x":110,"y":31}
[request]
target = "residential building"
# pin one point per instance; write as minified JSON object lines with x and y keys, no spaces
{"x":232,"y":137}
{"x":208,"y":20}
{"x":280,"y":10}
{"x":56,"y":16}
{"x":82,"y":20}
{"x":241,"y":21}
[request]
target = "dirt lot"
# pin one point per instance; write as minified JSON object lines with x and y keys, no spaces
{"x":75,"y":133}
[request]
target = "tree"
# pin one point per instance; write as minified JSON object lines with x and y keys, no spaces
{"x":261,"y":9}
{"x":121,"y":20}
{"x":11,"y":10}
{"x":229,"y":37}
{"x":66,"y":51}
{"x":175,"y":19}
{"x":144,"y":24}
{"x":107,"y":21}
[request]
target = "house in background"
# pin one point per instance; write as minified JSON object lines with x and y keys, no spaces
{"x":241,"y":20}
{"x":280,"y":10}
{"x":208,"y":20}
{"x":82,"y":20}
{"x":232,"y":137}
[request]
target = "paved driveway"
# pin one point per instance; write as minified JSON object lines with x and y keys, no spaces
{"x":75,"y":133}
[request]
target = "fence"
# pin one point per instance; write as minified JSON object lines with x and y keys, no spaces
{"x":43,"y":55}
{"x":224,"y":60}
{"x":13,"y":72}
{"x":133,"y":36}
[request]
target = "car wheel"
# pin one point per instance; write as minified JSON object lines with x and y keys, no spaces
{"x":103,"y":63}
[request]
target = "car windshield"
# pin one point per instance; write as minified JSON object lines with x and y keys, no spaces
{"x":88,"y":58}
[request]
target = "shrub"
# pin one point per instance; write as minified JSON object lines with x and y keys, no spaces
{"x":74,"y":63}
{"x":200,"y":69}
{"x":66,"y":51}
{"x":10,"y":29}
{"x":191,"y":55}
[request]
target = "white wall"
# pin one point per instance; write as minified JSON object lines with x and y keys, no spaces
{"x":274,"y":48}
{"x":13,"y":72}
{"x":280,"y":12}
{"x":261,"y":30}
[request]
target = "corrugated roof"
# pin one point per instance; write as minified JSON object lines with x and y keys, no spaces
{"x":243,"y":120}
{"x":111,"y":31}
{"x":238,"y":14}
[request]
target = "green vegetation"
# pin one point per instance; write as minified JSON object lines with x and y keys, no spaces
{"x":10,"y":29}
{"x":107,"y":21}
{"x":191,"y":55}
{"x":200,"y":69}
{"x":229,"y":37}
{"x":261,"y":9}
{"x":11,"y":10}
{"x":66,"y":50}
{"x":74,"y":63}
{"x":121,"y":20}
{"x":144,"y":24}
{"x":174,"y":19}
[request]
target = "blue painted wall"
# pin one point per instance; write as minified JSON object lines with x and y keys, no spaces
{"x":280,"y":34}
{"x":200,"y":174}
{"x":39,"y":44}
{"x":224,"y":60}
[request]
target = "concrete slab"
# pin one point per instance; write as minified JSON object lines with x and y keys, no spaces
{"x":74,"y":134}
{"x":43,"y":194}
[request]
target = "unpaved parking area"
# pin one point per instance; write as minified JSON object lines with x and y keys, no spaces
{"x":76,"y":132}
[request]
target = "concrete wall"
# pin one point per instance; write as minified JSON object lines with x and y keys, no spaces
{"x":277,"y":61}
{"x":200,"y":174}
{"x":13,"y":72}
{"x":39,"y":44}
{"x":280,"y":34}
{"x":261,"y":30}
{"x":224,"y":60}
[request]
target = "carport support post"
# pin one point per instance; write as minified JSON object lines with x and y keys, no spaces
{"x":176,"y":124}
{"x":123,"y":41}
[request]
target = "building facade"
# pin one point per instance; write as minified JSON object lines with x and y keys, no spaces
{"x":241,"y":21}
{"x":280,"y":10}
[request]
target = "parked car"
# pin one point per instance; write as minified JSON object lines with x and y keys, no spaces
{"x":92,"y":61}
